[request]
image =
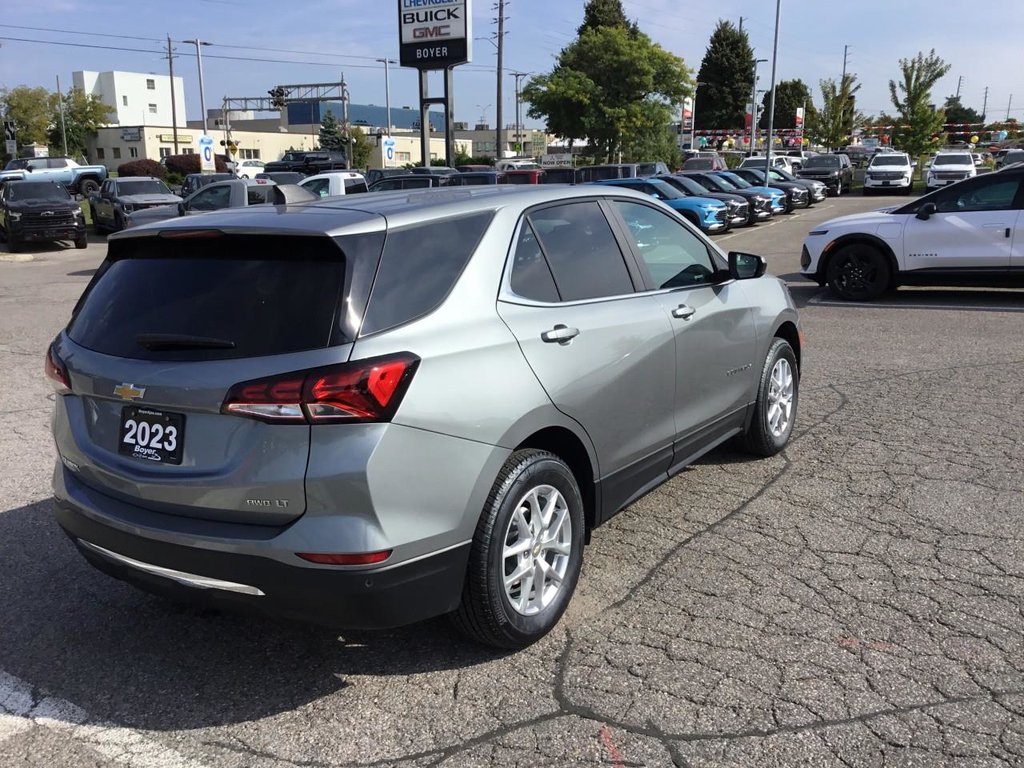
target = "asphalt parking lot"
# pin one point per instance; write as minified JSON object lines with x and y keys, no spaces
{"x":854,"y":601}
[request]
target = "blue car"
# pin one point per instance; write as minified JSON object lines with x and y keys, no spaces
{"x":704,"y":213}
{"x":778,"y":196}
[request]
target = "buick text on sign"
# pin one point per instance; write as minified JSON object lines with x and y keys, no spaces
{"x":434,"y":34}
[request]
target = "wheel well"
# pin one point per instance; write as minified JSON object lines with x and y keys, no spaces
{"x":568,"y":448}
{"x":691,"y":217}
{"x":789,"y":332}
{"x":872,"y":242}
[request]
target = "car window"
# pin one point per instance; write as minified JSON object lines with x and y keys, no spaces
{"x":582,"y":251}
{"x":993,"y":196}
{"x":673,"y":255}
{"x":256,"y":195}
{"x":354,"y":186}
{"x":531,"y":276}
{"x":419,"y":267}
{"x":320,"y":187}
{"x":211,"y":199}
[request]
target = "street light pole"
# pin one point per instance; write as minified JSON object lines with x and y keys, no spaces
{"x":771,"y":101}
{"x":387,"y":89}
{"x":753,"y":105}
{"x":693,"y":115}
{"x":199,"y":61}
{"x":519,"y":125}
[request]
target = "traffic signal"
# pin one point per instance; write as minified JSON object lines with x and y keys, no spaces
{"x":277,"y":97}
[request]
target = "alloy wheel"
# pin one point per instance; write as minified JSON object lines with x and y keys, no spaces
{"x":536,"y":550}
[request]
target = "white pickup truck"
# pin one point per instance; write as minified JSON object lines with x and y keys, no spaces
{"x":335,"y":183}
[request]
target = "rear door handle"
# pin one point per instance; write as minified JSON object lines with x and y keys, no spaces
{"x":684,"y":311}
{"x":560,"y":334}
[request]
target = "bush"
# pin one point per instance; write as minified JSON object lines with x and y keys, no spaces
{"x":733,"y":161}
{"x":186,"y":164}
{"x":141,"y":168}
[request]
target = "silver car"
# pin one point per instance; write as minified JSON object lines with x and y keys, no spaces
{"x":370,"y":411}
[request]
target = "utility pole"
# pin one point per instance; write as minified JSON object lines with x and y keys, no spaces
{"x":753,"y":105}
{"x":387,"y":89}
{"x":344,"y":118}
{"x":1008,"y":107}
{"x":984,"y":108}
{"x":199,"y":61}
{"x":771,"y":102}
{"x":519,"y":125}
{"x":959,"y":82}
{"x":174,"y":104}
{"x":846,"y":50}
{"x":741,"y":23}
{"x":63,"y":129}
{"x":498,"y":151}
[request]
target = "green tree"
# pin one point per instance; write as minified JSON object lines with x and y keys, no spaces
{"x":791,"y":96}
{"x":958,"y":114}
{"x":331,"y":136}
{"x":609,"y":86}
{"x":29,"y":108}
{"x":605,"y":13}
{"x":83,"y":114}
{"x":361,"y":149}
{"x":838,"y":117}
{"x":916,"y":119}
{"x":725,"y":77}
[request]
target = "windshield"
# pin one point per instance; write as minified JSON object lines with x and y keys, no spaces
{"x":737,"y":181}
{"x":953,"y":160}
{"x":37,"y":190}
{"x":757,"y":173}
{"x":887,"y":159}
{"x":667,"y":191}
{"x":293,"y":156}
{"x":691,"y":186}
{"x":780,"y":174}
{"x":147,"y":187}
{"x":717,"y":183}
{"x":821,"y":161}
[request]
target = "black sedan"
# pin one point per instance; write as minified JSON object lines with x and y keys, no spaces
{"x":760,"y":201}
{"x":797,"y":195}
{"x":741,"y":212}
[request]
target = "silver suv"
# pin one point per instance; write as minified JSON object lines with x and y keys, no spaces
{"x":370,"y":411}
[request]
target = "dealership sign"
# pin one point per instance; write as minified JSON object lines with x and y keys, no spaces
{"x":434,"y":34}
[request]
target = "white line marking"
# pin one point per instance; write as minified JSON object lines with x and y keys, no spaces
{"x":911,"y":305}
{"x":19,"y":711}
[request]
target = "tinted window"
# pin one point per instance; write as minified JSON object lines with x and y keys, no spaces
{"x":354,"y":186}
{"x":419,"y":267}
{"x":980,"y":196}
{"x":674,"y":256}
{"x":211,"y":199}
{"x":37,"y":190}
{"x":256,"y":195}
{"x":822,"y":161}
{"x":266,"y":295}
{"x":320,"y":187}
{"x":584,"y":257}
{"x":142,"y":187}
{"x":531,"y":277}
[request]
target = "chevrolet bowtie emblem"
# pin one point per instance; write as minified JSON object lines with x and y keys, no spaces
{"x":129,"y":392}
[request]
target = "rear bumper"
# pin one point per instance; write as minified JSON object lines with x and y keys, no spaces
{"x":377,"y":597}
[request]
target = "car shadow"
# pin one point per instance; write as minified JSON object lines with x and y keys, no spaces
{"x":82,"y":636}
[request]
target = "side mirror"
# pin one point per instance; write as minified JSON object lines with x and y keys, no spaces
{"x":181,"y":209}
{"x":926,"y":211}
{"x":745,"y":266}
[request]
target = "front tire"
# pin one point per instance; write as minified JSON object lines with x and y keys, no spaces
{"x":858,"y":273}
{"x":88,"y":187}
{"x":527,"y":553}
{"x":776,"y":405}
{"x":82,"y":241}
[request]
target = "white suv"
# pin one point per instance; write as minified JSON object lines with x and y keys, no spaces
{"x":950,"y":167}
{"x":971,"y":233}
{"x":889,"y":172}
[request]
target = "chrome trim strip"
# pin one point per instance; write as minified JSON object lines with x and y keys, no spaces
{"x":188,"y":579}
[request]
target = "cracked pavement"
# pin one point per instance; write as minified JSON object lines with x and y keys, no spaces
{"x":856,"y":601}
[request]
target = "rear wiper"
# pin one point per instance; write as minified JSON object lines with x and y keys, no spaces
{"x":168,"y":341}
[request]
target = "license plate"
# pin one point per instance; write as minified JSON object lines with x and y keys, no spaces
{"x":149,"y":435}
{"x":886,"y":183}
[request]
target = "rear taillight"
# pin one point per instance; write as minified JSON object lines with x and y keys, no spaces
{"x":57,"y":372}
{"x":366,"y":390}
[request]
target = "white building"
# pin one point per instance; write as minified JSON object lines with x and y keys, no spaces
{"x":137,"y":98}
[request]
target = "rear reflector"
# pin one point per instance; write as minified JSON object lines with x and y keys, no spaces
{"x":57,"y":372}
{"x":365,"y":390}
{"x":362,"y":558}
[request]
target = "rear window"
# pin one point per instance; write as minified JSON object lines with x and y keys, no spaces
{"x":253,"y":295}
{"x":419,"y":267}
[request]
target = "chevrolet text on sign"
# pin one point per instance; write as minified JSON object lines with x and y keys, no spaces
{"x":434,"y":34}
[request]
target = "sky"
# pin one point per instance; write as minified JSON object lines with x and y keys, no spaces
{"x":331,"y":37}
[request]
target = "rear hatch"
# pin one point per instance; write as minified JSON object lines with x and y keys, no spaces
{"x":168,"y":329}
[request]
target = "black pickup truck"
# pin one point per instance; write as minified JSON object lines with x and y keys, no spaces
{"x":309,"y":163}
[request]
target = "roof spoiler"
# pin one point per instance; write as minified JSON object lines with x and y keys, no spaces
{"x":286,"y":194}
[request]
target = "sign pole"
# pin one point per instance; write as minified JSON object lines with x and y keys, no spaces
{"x":424,"y":120}
{"x":449,"y":115}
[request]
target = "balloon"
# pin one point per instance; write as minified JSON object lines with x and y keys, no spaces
{"x":974,"y":139}
{"x":1003,"y":135}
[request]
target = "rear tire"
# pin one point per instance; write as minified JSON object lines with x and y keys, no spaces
{"x":531,"y":529}
{"x":776,"y":405}
{"x":88,"y":187}
{"x":858,"y":273}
